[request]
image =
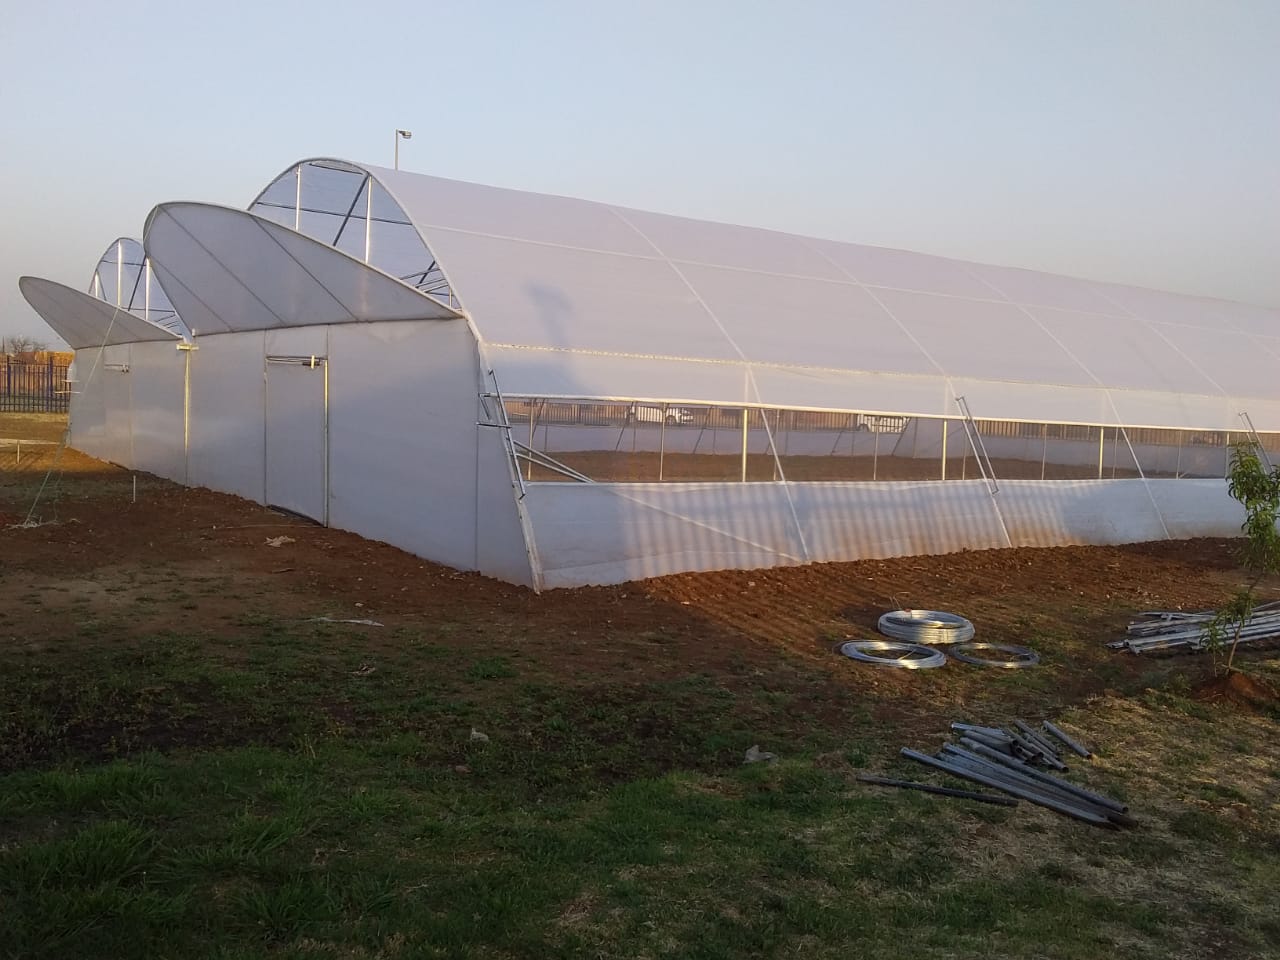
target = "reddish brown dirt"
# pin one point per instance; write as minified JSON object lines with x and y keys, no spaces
{"x":180,"y":559}
{"x":624,"y":465}
{"x":1239,"y":690}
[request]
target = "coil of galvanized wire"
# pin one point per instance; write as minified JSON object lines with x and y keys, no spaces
{"x":892,"y":653}
{"x":925,"y":626}
{"x":1004,"y":655}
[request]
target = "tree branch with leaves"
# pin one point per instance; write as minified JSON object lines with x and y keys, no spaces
{"x":1257,"y":488}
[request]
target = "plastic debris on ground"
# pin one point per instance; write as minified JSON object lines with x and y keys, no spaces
{"x":756,"y":755}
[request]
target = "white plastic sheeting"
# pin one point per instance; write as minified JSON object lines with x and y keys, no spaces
{"x":226,"y":270}
{"x":85,"y":321}
{"x":117,"y":396}
{"x":296,"y":444}
{"x":126,"y":380}
{"x":227,"y":415}
{"x":583,"y":299}
{"x":610,"y":533}
{"x":405,"y":448}
{"x":296,"y":427}
{"x":87,"y":423}
{"x":157,"y":388}
{"x":377,"y":435}
{"x":505,"y":547}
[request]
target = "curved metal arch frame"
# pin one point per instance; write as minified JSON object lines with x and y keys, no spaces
{"x":171,"y":320}
{"x":454,"y":301}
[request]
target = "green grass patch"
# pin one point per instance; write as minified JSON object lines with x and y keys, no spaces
{"x":305,"y":793}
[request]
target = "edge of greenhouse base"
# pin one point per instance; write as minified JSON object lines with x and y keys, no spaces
{"x":611,"y":533}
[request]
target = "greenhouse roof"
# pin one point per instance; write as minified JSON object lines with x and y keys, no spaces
{"x":85,"y":321}
{"x":227,"y":270}
{"x":577,"y":299}
{"x":582,"y":299}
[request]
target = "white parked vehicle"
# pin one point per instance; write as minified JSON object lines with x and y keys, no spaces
{"x":652,"y":413}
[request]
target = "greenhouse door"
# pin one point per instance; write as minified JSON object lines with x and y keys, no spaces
{"x":297,"y":436}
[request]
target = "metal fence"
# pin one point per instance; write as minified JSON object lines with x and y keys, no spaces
{"x":33,"y":387}
{"x":649,"y":441}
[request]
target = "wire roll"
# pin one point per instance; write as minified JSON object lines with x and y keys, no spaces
{"x":925,"y":626}
{"x":891,"y":653}
{"x":1003,"y":655}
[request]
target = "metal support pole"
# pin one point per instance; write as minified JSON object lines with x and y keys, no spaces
{"x":186,"y":418}
{"x":1260,"y":448}
{"x":988,"y":777}
{"x":1079,"y":750}
{"x":297,"y":200}
{"x":1102,"y":448}
{"x":745,"y":414}
{"x":1044,"y":447}
{"x":940,"y":791}
{"x":662,"y":441}
{"x":368,"y":219}
{"x":773,"y":438}
{"x":398,"y":134}
{"x":875,"y":457}
{"x":119,"y":272}
{"x":546,"y":437}
{"x":532,"y":407}
{"x":945,"y":425}
{"x":146,"y":292}
{"x":327,"y":354}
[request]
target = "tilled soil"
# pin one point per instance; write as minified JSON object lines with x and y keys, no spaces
{"x":183,"y":559}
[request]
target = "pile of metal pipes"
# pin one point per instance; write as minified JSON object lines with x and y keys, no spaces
{"x":1178,"y":631}
{"x":1011,"y":760}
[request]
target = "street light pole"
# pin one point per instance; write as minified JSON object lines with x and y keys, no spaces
{"x":407,"y":134}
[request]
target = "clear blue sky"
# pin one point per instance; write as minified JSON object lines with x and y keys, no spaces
{"x":1114,"y":139}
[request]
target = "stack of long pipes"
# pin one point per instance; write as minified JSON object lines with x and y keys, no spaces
{"x":1179,"y":631}
{"x":1007,"y":759}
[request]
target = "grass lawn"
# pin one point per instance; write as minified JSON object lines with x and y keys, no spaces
{"x":342,"y":808}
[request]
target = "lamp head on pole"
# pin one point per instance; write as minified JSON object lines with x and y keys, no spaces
{"x":406,"y":134}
